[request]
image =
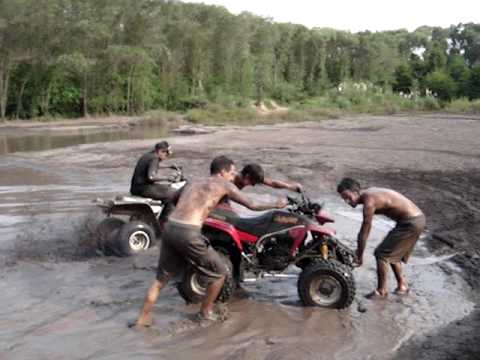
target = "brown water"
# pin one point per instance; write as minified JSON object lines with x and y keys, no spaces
{"x":61,"y":137}
{"x":59,"y":302}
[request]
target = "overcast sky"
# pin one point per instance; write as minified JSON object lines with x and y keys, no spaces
{"x":359,"y":15}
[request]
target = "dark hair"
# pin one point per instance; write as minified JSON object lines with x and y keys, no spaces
{"x":220,"y":163}
{"x":254,"y":172}
{"x":348,"y":184}
{"x":162,"y":146}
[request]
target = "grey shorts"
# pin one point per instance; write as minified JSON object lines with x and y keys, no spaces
{"x":400,"y":241}
{"x":183,"y":245}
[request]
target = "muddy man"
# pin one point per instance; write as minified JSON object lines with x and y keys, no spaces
{"x":182,"y":241}
{"x":399,"y":242}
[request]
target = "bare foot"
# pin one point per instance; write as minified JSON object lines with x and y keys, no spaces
{"x":401,"y":291}
{"x":209,"y":316}
{"x":376,"y":295}
{"x":219,"y":313}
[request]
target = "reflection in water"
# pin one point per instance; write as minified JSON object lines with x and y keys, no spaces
{"x":47,"y":141}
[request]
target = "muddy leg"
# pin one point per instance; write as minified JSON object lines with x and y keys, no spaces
{"x":402,"y":286}
{"x":145,"y":317}
{"x":212,"y":293}
{"x":382,"y":270}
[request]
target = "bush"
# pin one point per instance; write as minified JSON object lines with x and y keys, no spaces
{"x":220,"y":115}
{"x":441,"y":84}
{"x":463,"y":105}
{"x":429,"y":103}
{"x":286,"y":93}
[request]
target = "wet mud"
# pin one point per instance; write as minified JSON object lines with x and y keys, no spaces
{"x":62,"y":300}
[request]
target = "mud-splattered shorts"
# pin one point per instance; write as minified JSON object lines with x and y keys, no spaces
{"x":183,"y":245}
{"x":400,"y":241}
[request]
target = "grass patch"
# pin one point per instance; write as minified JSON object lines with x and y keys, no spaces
{"x":365,"y":98}
{"x":463,"y":106}
{"x":161,"y":116}
{"x":219,"y":115}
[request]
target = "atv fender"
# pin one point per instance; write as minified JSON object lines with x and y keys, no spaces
{"x":142,"y":212}
{"x":226,"y":228}
{"x":322,"y":230}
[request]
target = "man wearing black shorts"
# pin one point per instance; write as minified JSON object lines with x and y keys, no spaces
{"x":183,"y":244}
{"x":400,"y":241}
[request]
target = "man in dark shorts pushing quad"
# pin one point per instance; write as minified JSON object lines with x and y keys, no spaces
{"x":399,"y":242}
{"x":183,"y":244}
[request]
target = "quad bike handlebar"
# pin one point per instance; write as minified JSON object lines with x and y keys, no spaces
{"x":178,"y":175}
{"x":303,"y":204}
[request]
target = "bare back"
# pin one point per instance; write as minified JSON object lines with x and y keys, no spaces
{"x":198,"y":199}
{"x":390,"y":203}
{"x":202,"y":195}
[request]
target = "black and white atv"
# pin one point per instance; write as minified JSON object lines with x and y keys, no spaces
{"x":131,"y":225}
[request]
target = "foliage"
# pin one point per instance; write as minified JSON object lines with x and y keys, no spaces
{"x":442,"y":84}
{"x":463,"y":105}
{"x":74,"y":58}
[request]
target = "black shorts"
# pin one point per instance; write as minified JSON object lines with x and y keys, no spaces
{"x":183,"y":245}
{"x":400,"y":241}
{"x":155,"y":191}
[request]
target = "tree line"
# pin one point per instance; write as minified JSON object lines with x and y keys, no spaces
{"x":81,"y":57}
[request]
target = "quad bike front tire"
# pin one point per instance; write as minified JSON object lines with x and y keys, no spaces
{"x":327,"y":284}
{"x":192,"y":288}
{"x":104,"y":230}
{"x":132,"y":238}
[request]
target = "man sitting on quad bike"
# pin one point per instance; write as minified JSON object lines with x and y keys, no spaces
{"x":148,"y":182}
{"x":182,"y":238}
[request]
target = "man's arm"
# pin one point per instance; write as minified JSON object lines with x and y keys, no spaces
{"x":153,"y":174}
{"x":368,"y":212}
{"x":277,"y":184}
{"x":239,"y":197}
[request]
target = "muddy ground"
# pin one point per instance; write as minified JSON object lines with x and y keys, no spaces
{"x":63,"y":300}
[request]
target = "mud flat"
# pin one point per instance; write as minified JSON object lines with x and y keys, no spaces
{"x":61,"y":300}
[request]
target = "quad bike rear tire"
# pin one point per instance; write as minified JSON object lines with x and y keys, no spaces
{"x":327,"y":284}
{"x":104,"y":230}
{"x":192,"y":287}
{"x":132,"y":238}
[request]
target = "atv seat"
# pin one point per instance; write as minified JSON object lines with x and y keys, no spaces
{"x":120,"y":199}
{"x":257,"y":225}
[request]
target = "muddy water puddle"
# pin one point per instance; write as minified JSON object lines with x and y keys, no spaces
{"x":79,"y":309}
{"x":58,"y":305}
{"x":61,"y":137}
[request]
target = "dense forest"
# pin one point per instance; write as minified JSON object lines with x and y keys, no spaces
{"x":80,"y":57}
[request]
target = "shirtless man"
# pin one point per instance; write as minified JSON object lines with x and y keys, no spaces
{"x":399,"y":242}
{"x":182,"y":239}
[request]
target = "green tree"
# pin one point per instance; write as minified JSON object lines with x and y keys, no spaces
{"x":79,"y":68}
{"x":441,"y":84}
{"x":404,"y":80}
{"x":473,"y":83}
{"x":460,"y":73}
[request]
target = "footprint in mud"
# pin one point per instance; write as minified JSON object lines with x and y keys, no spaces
{"x":361,"y":308}
{"x":192,"y":322}
{"x":131,"y":284}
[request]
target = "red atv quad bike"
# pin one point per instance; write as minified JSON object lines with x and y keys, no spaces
{"x":270,"y":243}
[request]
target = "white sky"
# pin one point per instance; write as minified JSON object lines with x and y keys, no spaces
{"x":359,"y":15}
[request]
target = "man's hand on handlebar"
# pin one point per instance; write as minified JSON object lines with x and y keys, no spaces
{"x":281,"y":203}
